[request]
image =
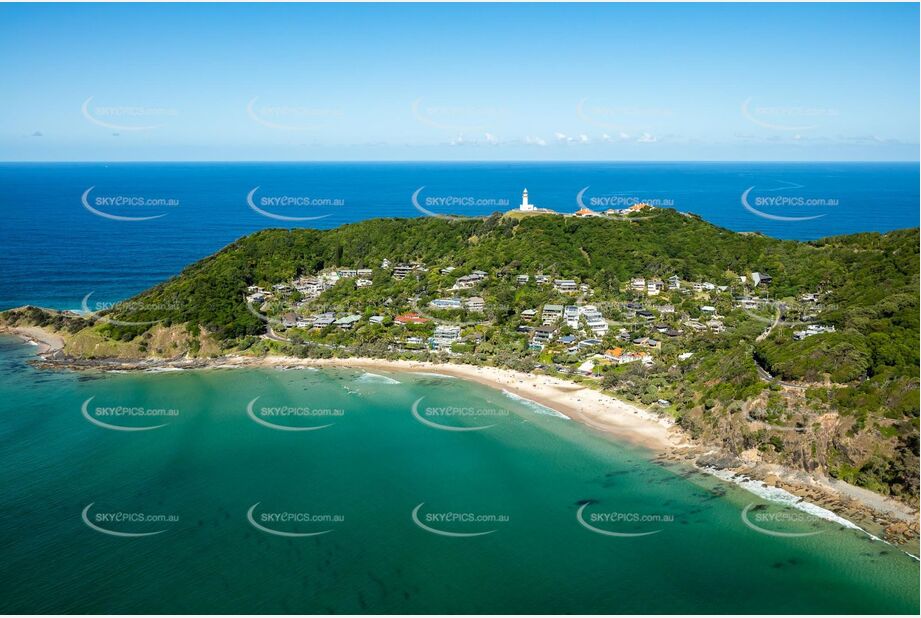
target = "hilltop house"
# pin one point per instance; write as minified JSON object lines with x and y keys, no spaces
{"x":446,"y":303}
{"x":476,"y":303}
{"x":565,"y":285}
{"x":347,"y":322}
{"x":410,"y":318}
{"x":571,"y":316}
{"x":323,"y":320}
{"x":585,"y":212}
{"x":595,"y":320}
{"x":400,"y":271}
{"x":551,"y":314}
{"x":468,"y":281}
{"x":444,"y":336}
{"x":812,"y":329}
{"x":543,"y":334}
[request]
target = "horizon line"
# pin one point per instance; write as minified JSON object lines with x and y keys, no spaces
{"x":455,"y":161}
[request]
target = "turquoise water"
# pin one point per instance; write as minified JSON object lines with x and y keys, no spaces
{"x":529,"y":473}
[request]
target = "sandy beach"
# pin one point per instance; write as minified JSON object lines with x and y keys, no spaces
{"x":582,"y":404}
{"x":46,"y":342}
{"x":620,"y":420}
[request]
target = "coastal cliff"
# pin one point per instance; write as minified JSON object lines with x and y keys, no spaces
{"x":759,"y":352}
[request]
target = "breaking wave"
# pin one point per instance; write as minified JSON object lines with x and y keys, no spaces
{"x":376,"y":379}
{"x":534,"y":406}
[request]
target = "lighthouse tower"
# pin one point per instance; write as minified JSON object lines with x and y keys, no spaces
{"x":524,"y":202}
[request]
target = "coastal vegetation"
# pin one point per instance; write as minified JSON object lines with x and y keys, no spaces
{"x":724,"y":350}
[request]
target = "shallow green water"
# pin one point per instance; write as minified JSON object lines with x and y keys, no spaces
{"x":365,"y":474}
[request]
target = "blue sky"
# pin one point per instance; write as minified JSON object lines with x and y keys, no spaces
{"x":459,"y":82}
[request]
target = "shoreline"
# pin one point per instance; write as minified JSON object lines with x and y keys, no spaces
{"x":619,"y":420}
{"x":47,"y":342}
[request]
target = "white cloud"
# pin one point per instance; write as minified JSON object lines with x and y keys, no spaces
{"x":583,"y":138}
{"x":611,"y":140}
{"x":534,"y":141}
{"x":646,"y":138}
{"x":491,"y":139}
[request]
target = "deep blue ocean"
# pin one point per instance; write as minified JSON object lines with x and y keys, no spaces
{"x":62,"y":237}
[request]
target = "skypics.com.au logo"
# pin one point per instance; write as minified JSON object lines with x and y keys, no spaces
{"x":446,"y":206}
{"x":291,"y":418}
{"x":620,"y":523}
{"x":125,"y":306}
{"x":127,"y":117}
{"x":121,"y":413}
{"x":787,"y":118}
{"x":620,"y":118}
{"x":291,"y":117}
{"x":292,"y":524}
{"x":457,"y":524}
{"x":786,"y":203}
{"x":785,"y":523}
{"x":127,"y":524}
{"x":619,"y":206}
{"x":114,"y":207}
{"x":445,"y":418}
{"x":267,"y":205}
{"x":454,"y":117}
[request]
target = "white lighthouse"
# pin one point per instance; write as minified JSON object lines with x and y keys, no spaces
{"x":524,"y":202}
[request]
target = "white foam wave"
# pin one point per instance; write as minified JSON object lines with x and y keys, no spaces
{"x":376,"y":379}
{"x":782,"y":496}
{"x":432,"y":375}
{"x":534,"y":406}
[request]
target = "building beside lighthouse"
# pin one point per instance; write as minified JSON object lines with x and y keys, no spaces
{"x":524,"y":202}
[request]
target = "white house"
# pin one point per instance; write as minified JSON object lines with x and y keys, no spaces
{"x":571,"y":316}
{"x":476,"y":303}
{"x":565,"y":285}
{"x":595,"y":320}
{"x":551,"y":314}
{"x":446,"y":303}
